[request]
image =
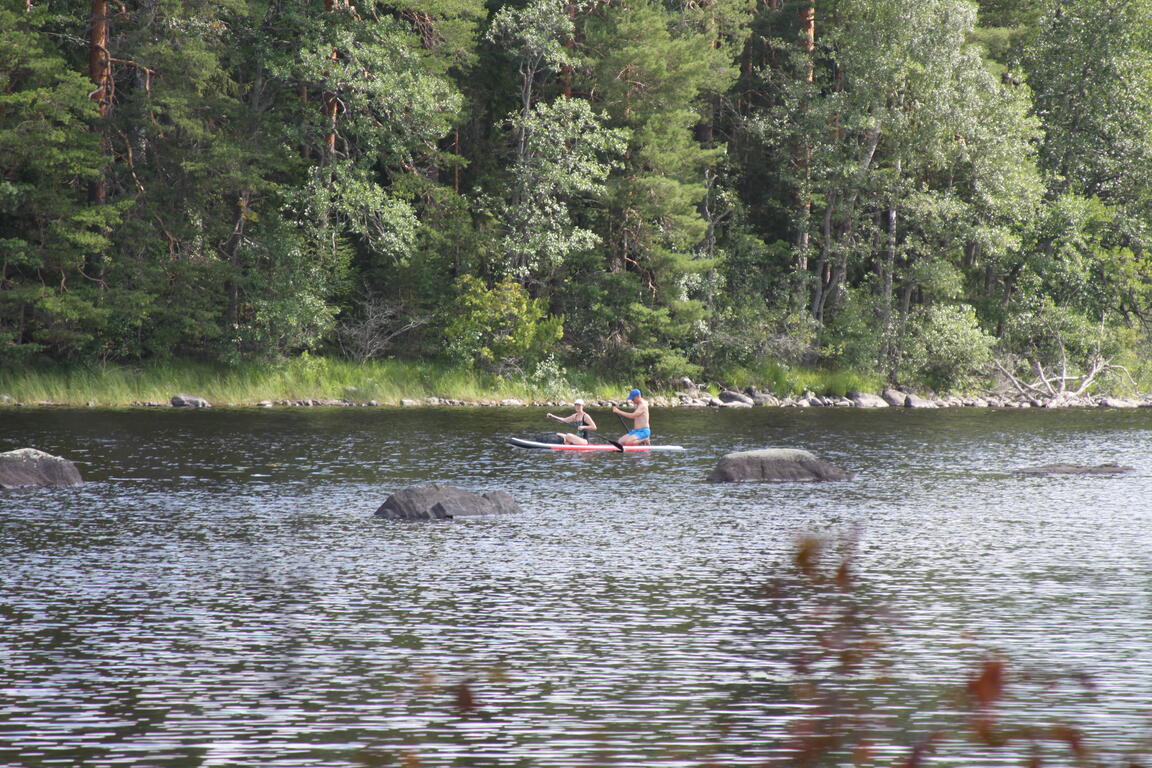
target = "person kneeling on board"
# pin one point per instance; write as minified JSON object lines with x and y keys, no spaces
{"x":581,"y":420}
{"x":640,"y":432}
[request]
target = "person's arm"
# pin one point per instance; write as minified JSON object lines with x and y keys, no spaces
{"x":589,"y":423}
{"x":625,"y":414}
{"x":566,"y":419}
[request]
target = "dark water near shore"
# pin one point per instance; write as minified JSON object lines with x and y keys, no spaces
{"x":219,"y":593}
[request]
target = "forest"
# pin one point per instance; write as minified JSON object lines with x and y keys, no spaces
{"x":931,"y":191}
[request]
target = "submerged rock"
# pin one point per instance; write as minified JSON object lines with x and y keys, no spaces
{"x":1075,"y":469}
{"x":774,"y":464}
{"x":28,"y":467}
{"x":444,"y":502}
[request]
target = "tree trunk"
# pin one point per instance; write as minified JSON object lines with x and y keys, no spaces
{"x":331,"y":100}
{"x":804,"y":201}
{"x":887,"y":272}
{"x":100,"y":73}
{"x":808,"y":19}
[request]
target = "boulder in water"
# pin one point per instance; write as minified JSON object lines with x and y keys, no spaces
{"x":444,"y":502}
{"x":774,"y":464}
{"x":28,"y":467}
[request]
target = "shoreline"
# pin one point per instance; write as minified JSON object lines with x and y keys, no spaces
{"x":727,"y":399}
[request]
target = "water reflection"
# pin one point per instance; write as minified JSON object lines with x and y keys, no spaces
{"x":219,"y":593}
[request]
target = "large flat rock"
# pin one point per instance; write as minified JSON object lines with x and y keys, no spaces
{"x":28,"y":467}
{"x":774,"y":464}
{"x":444,"y":502}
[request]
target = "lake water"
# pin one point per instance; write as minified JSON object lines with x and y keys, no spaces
{"x":220,"y":594}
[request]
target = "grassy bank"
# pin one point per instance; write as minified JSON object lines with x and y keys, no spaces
{"x":387,"y":382}
{"x":301,"y":378}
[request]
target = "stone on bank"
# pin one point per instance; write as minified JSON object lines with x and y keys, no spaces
{"x":774,"y":464}
{"x":184,"y":400}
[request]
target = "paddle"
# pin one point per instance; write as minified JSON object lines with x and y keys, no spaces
{"x":615,"y":444}
{"x":622,"y":422}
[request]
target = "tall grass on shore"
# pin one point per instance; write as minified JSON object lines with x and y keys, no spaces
{"x":783,"y":380}
{"x":301,"y":378}
{"x":310,"y":377}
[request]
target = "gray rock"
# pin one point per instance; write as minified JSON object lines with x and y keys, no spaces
{"x":1075,"y":469}
{"x":731,"y":396}
{"x":766,"y":399}
{"x":915,"y":401}
{"x":189,"y":401}
{"x":774,"y":464}
{"x":444,"y":502}
{"x":894,"y":397}
{"x":1118,"y":402}
{"x":28,"y":467}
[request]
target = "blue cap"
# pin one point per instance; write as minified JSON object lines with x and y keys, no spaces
{"x":634,"y":394}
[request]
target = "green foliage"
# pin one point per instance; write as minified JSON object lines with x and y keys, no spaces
{"x":566,"y":154}
{"x":744,"y":334}
{"x":946,"y":348}
{"x":689,"y":188}
{"x":785,"y":380}
{"x":1060,"y":336}
{"x":51,"y":235}
{"x":647,"y":358}
{"x":499,"y":329}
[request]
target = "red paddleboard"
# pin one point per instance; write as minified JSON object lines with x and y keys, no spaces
{"x":522,"y":443}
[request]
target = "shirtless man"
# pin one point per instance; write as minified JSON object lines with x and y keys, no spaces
{"x":640,"y":431}
{"x":581,"y":421}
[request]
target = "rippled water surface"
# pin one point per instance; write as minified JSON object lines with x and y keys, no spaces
{"x":220,"y":594}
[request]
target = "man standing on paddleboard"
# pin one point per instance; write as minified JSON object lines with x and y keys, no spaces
{"x":640,"y":431}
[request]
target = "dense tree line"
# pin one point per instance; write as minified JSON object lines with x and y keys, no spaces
{"x":652,"y":187}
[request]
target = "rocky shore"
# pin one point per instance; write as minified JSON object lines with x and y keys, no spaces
{"x":688,"y":397}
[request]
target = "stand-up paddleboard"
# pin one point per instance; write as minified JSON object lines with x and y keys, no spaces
{"x":522,"y":443}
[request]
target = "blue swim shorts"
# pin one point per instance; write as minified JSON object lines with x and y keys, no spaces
{"x":643,"y":433}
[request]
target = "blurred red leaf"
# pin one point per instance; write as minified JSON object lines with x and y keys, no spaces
{"x":465,"y":701}
{"x":844,"y":576}
{"x":989,"y":685}
{"x":808,"y":556}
